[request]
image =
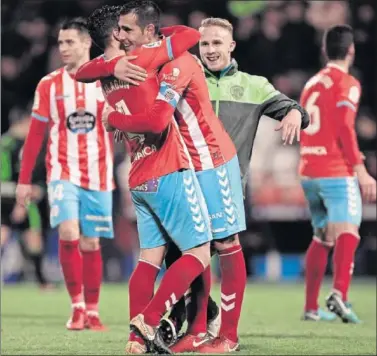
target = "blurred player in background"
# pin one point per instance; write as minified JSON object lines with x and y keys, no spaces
{"x":79,"y":165}
{"x":333,"y":173}
{"x":30,"y":220}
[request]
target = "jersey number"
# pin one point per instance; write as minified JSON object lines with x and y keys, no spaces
{"x":121,"y":106}
{"x":315,"y":114}
{"x":56,"y":193}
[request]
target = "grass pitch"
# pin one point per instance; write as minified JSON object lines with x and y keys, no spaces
{"x":33,"y":323}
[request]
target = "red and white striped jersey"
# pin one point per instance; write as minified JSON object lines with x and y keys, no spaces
{"x":79,"y":149}
{"x":208,"y":144}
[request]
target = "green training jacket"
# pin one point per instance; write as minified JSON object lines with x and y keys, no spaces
{"x":239,"y":100}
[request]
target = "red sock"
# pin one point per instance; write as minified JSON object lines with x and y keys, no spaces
{"x":71,"y":261}
{"x":92,"y":278}
{"x":197,"y":307}
{"x":315,"y":268}
{"x":140,"y":290}
{"x":233,"y":284}
{"x":174,"y":284}
{"x":343,"y":258}
{"x":141,"y":287}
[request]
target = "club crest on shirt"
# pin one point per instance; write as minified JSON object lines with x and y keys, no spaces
{"x":81,"y":121}
{"x":236,"y":91}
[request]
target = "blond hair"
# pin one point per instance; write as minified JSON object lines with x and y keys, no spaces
{"x":216,"y":21}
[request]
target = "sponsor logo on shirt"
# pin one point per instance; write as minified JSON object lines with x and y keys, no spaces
{"x":81,"y":121}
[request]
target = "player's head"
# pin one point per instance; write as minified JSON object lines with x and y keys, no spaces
{"x":216,"y":43}
{"x":338,"y":43}
{"x":102,"y":24}
{"x":139,"y":23}
{"x":74,"y":40}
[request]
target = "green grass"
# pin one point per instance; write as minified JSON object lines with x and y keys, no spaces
{"x":33,"y":323}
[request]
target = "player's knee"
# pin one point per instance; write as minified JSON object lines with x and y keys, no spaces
{"x":342,"y":228}
{"x":89,"y":243}
{"x":154,"y":256}
{"x":323,"y":236}
{"x":33,"y":241}
{"x":202,"y":252}
{"x":227,"y":242}
{"x":69,"y":230}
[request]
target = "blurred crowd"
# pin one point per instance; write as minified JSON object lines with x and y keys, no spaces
{"x":276,"y":39}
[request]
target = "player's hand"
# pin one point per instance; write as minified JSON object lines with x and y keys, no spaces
{"x":23,"y":194}
{"x":128,"y":72}
{"x":368,"y":186}
{"x":290,"y":127}
{"x":105,"y":118}
{"x":18,"y":214}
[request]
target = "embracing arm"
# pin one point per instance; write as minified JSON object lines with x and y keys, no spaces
{"x":154,"y":120}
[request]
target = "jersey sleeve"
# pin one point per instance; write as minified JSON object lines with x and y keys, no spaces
{"x":173,"y":82}
{"x":175,"y":75}
{"x":277,"y":105}
{"x":40,"y":116}
{"x":41,"y":105}
{"x":179,"y":40}
{"x":346,"y":105}
{"x":96,"y":69}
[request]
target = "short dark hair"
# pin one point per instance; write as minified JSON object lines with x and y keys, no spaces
{"x":76,"y":23}
{"x":101,"y":24}
{"x":147,"y":12}
{"x":337,"y":41}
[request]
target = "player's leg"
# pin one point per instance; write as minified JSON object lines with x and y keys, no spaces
{"x":152,"y":239}
{"x":64,"y":213}
{"x":6,"y":224}
{"x":180,"y":206}
{"x":33,"y":240}
{"x":317,"y":254}
{"x":95,"y":222}
{"x":171,"y":326}
{"x":222,"y":188}
{"x":343,"y":201}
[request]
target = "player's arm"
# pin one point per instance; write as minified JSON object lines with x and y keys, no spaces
{"x":178,"y":39}
{"x":277,"y":105}
{"x":160,"y":115}
{"x":34,"y":140}
{"x":345,"y":112}
{"x":96,"y":69}
{"x":99,"y":68}
{"x":345,"y":116}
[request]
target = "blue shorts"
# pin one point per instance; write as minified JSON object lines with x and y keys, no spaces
{"x":222,"y":189}
{"x":92,"y":208}
{"x":333,"y":200}
{"x":172,"y":207}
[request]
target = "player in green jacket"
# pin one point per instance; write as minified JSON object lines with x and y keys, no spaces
{"x":240,"y":99}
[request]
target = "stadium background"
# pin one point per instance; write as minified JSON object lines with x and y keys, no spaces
{"x":276,"y":39}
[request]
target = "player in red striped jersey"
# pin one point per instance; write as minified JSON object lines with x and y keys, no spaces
{"x":79,"y":165}
{"x":332,"y":174}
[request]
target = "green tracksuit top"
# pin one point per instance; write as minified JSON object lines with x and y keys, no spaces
{"x":239,"y":100}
